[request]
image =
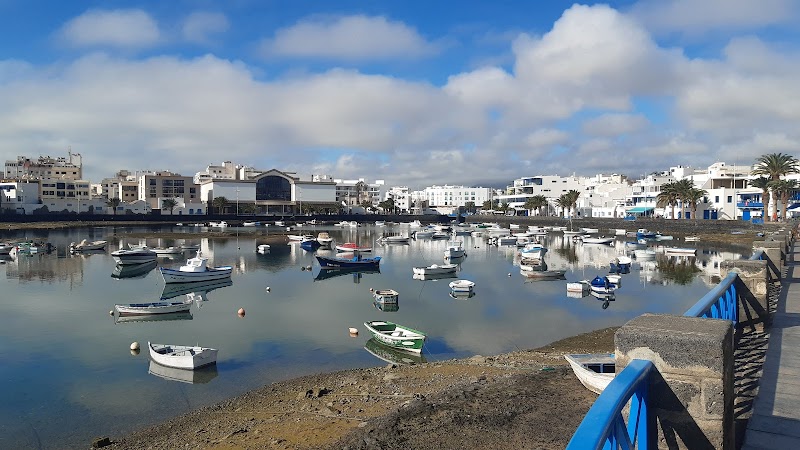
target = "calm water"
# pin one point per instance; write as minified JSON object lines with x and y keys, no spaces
{"x":68,"y":374}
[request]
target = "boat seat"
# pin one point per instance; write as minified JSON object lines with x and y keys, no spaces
{"x":397,"y":333}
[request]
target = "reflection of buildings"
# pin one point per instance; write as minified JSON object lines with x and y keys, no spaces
{"x":45,"y":268}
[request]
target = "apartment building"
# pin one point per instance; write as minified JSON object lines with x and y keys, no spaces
{"x":356,"y":192}
{"x":156,"y":186}
{"x":44,"y":167}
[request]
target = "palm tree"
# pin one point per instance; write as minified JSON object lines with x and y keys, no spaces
{"x":170,"y":204}
{"x":113,"y":203}
{"x":565,"y":203}
{"x":536,"y":202}
{"x":763,"y":184}
{"x":683,"y":188}
{"x":785,"y":189}
{"x":218,"y":203}
{"x":668,"y":197}
{"x":693,"y":196}
{"x":774,"y":166}
{"x":572,"y":198}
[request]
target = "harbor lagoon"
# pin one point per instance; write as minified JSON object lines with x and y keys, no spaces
{"x":69,"y":374}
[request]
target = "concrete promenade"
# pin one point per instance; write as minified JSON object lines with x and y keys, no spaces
{"x":775,"y":420}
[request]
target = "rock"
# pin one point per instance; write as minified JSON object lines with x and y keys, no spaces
{"x":392,"y":376}
{"x":100,"y":442}
{"x":477,"y":359}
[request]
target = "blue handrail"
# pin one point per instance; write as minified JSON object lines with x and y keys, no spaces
{"x":718,"y":303}
{"x":603,"y":426}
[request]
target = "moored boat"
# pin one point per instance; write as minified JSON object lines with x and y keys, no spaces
{"x":582,"y":286}
{"x":182,"y":356}
{"x":324,"y":239}
{"x":136,"y":255}
{"x":594,"y":370}
{"x":455,"y":249}
{"x":602,"y":285}
{"x":396,"y":336}
{"x":680,"y":251}
{"x":196,"y":269}
{"x":436,"y":269}
{"x":134,"y":309}
{"x":352,"y":247}
{"x":386,"y":295}
{"x":462,"y":285}
{"x":85,"y":245}
{"x":355,"y":261}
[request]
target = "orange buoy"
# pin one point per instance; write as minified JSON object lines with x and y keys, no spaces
{"x":241,"y":312}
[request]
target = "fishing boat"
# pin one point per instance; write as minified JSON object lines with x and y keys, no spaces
{"x":594,"y":370}
{"x":436,"y":269}
{"x":396,"y":336}
{"x":182,"y":356}
{"x":134,"y":309}
{"x":355,"y":261}
{"x":455,"y":249}
{"x":386,"y":295}
{"x":352,"y":247}
{"x":462,"y":285}
{"x":392,"y":355}
{"x":196,"y":269}
{"x":136,"y":255}
{"x":602,"y":285}
{"x":85,"y":245}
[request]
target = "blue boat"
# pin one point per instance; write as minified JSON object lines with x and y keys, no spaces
{"x":602,"y":285}
{"x":643,"y":233}
{"x":310,"y":245}
{"x":356,"y":261}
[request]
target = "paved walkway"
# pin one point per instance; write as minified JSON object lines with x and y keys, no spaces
{"x":775,"y":421}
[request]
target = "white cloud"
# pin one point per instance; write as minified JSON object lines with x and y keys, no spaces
{"x":695,"y":17}
{"x":349,"y":38}
{"x":122,"y":28}
{"x":201,"y":26}
{"x":614,"y":124}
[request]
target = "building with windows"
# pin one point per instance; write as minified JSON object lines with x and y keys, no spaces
{"x":401,"y":197}
{"x":156,"y":186}
{"x":227,"y":171}
{"x":44,"y":167}
{"x":550,"y":186}
{"x":354,"y":193}
{"x":448,"y":199}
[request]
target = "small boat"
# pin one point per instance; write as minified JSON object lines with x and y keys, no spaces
{"x":436,"y":269}
{"x":532,"y":251}
{"x":196,"y":269}
{"x":355,"y":261}
{"x":221,"y":224}
{"x":642,"y":254}
{"x":686,"y":251}
{"x":462,"y":285}
{"x":262,"y":248}
{"x":421,"y":234}
{"x":396,"y":336}
{"x":620,"y":264}
{"x":250,"y":223}
{"x":691,"y":238}
{"x":162,"y":251}
{"x":137,"y":255}
{"x":385,"y":296}
{"x":582,"y":286}
{"x":380,"y":223}
{"x":602,"y":285}
{"x":455,"y":249}
{"x":615,"y":280}
{"x":199,"y":376}
{"x":506,"y":240}
{"x":86,"y":245}
{"x":391,"y":354}
{"x":324,"y":239}
{"x":440,"y":235}
{"x":594,"y":370}
{"x":134,"y":309}
{"x":133,"y":270}
{"x":664,"y":237}
{"x":643,"y":233}
{"x":299,"y":237}
{"x":182,"y":356}
{"x":279,"y":223}
{"x":394,"y":239}
{"x":5,"y":249}
{"x":352,"y":247}
{"x":534,"y":272}
{"x":597,"y":240}
{"x":310,"y":244}
{"x":590,"y":230}
{"x":415,"y":224}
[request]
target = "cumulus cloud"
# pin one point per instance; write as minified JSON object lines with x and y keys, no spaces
{"x":121,"y":28}
{"x":614,"y":124}
{"x":350,"y":38}
{"x":201,"y":26}
{"x":694,"y":17}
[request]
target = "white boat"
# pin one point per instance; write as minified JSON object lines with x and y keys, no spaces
{"x":137,"y":255}
{"x":691,"y":238}
{"x":680,"y":251}
{"x":167,"y":250}
{"x":182,"y":356}
{"x":250,"y":224}
{"x":532,"y":251}
{"x":415,"y":224}
{"x":141,"y":309}
{"x":602,"y":285}
{"x":641,"y":254}
{"x":196,"y":269}
{"x":615,"y":279}
{"x":573,"y":233}
{"x":663,"y":237}
{"x":221,"y":224}
{"x":590,"y":230}
{"x":279,"y":223}
{"x":578,"y":286}
{"x":597,"y":240}
{"x":299,"y":237}
{"x":324,"y":238}
{"x":380,"y":223}
{"x":423,"y":234}
{"x":462,"y":285}
{"x":263,"y":249}
{"x":394,"y":239}
{"x":436,"y":269}
{"x":594,"y":370}
{"x":440,"y":235}
{"x":385,"y":295}
{"x":5,"y":249}
{"x":86,"y":245}
{"x":620,"y":231}
{"x":455,"y":249}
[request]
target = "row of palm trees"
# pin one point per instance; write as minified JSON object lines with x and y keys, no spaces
{"x":771,"y":167}
{"x":680,"y":193}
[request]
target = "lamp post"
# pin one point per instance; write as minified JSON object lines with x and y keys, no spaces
{"x":237,"y":202}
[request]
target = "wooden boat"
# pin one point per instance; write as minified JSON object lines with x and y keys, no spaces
{"x":396,"y":336}
{"x":86,"y":245}
{"x":355,"y":261}
{"x":436,"y":269}
{"x":391,"y":354}
{"x":199,"y":376}
{"x":594,"y":370}
{"x":182,"y":356}
{"x":352,"y":247}
{"x":386,"y":295}
{"x":455,"y":249}
{"x":462,"y":285}
{"x":194,"y":270}
{"x":133,"y":309}
{"x":136,"y":255}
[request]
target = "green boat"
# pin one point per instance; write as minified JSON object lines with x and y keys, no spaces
{"x":396,"y":336}
{"x":392,"y":355}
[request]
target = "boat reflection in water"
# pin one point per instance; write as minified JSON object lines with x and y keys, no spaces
{"x":133,"y":270}
{"x":201,"y":375}
{"x":196,"y":291}
{"x":356,"y":272}
{"x":461,"y":295}
{"x":391,"y":355}
{"x":442,"y":276}
{"x":605,"y":298}
{"x":387,"y":307}
{"x":184,"y":315}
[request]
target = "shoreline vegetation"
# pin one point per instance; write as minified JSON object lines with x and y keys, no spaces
{"x":522,"y":399}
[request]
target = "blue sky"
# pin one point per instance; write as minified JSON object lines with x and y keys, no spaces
{"x":413,"y":92}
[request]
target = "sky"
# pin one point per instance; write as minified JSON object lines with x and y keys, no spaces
{"x":413,"y":92}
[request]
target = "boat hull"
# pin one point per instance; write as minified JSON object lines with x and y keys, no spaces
{"x":592,"y":380}
{"x":326,"y":262}
{"x":146,"y":309}
{"x":396,"y":336}
{"x":436,"y":269}
{"x":210,"y":274}
{"x":133,"y":258}
{"x":182,"y":357}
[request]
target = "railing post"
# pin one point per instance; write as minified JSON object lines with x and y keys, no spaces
{"x":775,"y":253}
{"x":691,"y":392}
{"x":752,"y":291}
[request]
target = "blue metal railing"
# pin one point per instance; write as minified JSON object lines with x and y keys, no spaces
{"x":603,"y":427}
{"x":718,"y":303}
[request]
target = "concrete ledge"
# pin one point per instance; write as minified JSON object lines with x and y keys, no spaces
{"x":752,"y":290}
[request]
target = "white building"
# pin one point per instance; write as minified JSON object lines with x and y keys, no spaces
{"x":227,"y":171}
{"x":45,"y":167}
{"x":354,"y":193}
{"x":401,"y":197}
{"x":550,"y":186}
{"x":448,"y":199}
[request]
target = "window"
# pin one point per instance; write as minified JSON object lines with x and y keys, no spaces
{"x":152,"y":182}
{"x":61,"y":185}
{"x":716,"y":199}
{"x":730,"y":199}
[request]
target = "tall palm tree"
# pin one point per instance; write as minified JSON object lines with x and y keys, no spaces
{"x":683,"y":188}
{"x":774,"y":166}
{"x":572,"y":198}
{"x":693,"y":196}
{"x":113,"y":203}
{"x":668,"y":197}
{"x":564,"y":203}
{"x":763,"y":184}
{"x":784,"y":189}
{"x":536,"y":202}
{"x":218,"y":203}
{"x":170,"y":204}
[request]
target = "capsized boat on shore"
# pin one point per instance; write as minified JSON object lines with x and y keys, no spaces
{"x":594,"y":370}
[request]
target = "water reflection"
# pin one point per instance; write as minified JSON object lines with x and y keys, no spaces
{"x":391,"y":355}
{"x":198,"y":289}
{"x":197,"y":376}
{"x":356,"y":272}
{"x":184,"y":315}
{"x":133,"y":270}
